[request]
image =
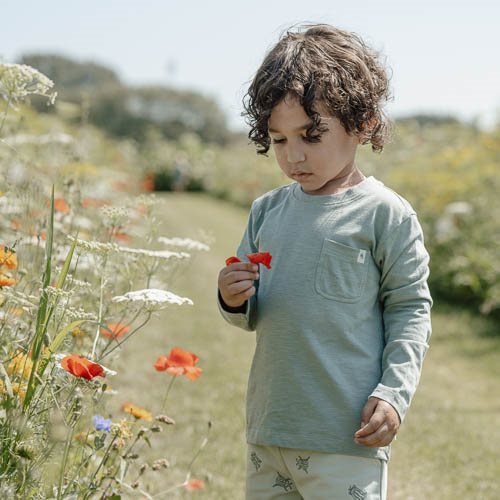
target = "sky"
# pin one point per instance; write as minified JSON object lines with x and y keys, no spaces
{"x":443,"y":55}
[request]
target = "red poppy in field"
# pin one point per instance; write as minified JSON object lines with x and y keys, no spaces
{"x":260,"y":258}
{"x":114,"y":330}
{"x":194,"y":484}
{"x":60,"y":205}
{"x":232,"y":260}
{"x":82,"y":367}
{"x":179,"y":362}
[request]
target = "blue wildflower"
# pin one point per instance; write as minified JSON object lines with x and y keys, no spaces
{"x":101,"y":423}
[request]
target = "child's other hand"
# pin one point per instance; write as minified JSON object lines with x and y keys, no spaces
{"x":236,"y":283}
{"x":379,"y":424}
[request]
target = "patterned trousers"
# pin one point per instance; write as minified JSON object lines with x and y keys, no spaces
{"x":295,"y":474}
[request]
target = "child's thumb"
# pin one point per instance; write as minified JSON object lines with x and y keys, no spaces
{"x":368,"y":411}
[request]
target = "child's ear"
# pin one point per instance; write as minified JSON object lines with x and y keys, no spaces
{"x":366,"y":128}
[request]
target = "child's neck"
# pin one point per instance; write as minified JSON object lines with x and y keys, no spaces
{"x":344,"y":182}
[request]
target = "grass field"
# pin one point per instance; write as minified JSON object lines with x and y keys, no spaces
{"x":448,"y":447}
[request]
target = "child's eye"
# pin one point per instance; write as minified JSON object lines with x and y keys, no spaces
{"x":312,"y":138}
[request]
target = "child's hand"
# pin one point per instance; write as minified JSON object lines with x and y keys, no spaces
{"x":236,"y":283}
{"x":379,"y":424}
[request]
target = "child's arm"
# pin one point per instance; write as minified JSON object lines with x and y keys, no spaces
{"x":237,"y":288}
{"x":406,"y":302}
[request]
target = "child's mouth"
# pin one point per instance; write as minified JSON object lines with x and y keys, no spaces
{"x":300,"y":176}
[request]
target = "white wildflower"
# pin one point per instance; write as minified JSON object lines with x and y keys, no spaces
{"x":95,"y":247}
{"x":184,"y":242}
{"x":56,"y":293}
{"x":104,"y":248}
{"x":20,"y":299}
{"x":147,"y":200}
{"x":9,"y":205}
{"x":152,"y":298}
{"x":43,"y":139}
{"x":159,"y":254}
{"x":17,"y":81}
{"x":114,"y":215}
{"x":73,"y":313}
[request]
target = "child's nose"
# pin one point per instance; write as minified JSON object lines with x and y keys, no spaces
{"x":295,"y":155}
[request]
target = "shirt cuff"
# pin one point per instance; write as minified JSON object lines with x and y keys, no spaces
{"x":392,"y":397}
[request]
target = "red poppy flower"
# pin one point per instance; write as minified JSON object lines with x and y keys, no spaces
{"x":194,"y":484}
{"x":179,"y":362}
{"x":114,"y":330}
{"x":260,"y":258}
{"x":232,"y":260}
{"x":82,"y":367}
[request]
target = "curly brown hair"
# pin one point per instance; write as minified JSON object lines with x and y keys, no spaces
{"x":325,"y":64}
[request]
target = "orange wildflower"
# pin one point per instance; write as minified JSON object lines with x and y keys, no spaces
{"x":8,"y":258}
{"x":120,"y":236}
{"x":60,"y":205}
{"x":82,"y":367}
{"x":179,"y":362}
{"x":6,"y":281}
{"x":114,"y":330}
{"x":137,"y":412}
{"x":194,"y":484}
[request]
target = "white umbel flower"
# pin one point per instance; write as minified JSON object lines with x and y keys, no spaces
{"x":17,"y":81}
{"x":152,"y":298}
{"x":184,"y":242}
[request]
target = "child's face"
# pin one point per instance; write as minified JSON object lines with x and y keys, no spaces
{"x":319,"y":167}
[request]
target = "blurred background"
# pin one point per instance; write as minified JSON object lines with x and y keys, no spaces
{"x":149,"y":95}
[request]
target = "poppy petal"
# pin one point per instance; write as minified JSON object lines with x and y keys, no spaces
{"x":260,"y":258}
{"x":232,"y":260}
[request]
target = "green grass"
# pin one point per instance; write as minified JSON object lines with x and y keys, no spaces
{"x":446,"y":449}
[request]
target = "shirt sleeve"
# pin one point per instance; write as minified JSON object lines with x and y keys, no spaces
{"x":244,"y":319}
{"x":406,"y":302}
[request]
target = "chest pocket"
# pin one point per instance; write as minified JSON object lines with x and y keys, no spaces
{"x":341,"y":272}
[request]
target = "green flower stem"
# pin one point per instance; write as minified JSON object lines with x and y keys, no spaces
{"x":104,"y":459}
{"x":118,"y":344}
{"x":162,"y":409}
{"x":67,"y":446}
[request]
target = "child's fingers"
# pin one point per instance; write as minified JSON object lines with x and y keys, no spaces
{"x":242,"y":266}
{"x":376,"y":420}
{"x":381,"y":437}
{"x":226,"y":279}
{"x":239,"y":287}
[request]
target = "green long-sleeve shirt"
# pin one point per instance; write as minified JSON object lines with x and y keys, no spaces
{"x":344,"y":314}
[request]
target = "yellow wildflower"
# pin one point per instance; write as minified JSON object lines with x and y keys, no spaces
{"x":20,"y":365}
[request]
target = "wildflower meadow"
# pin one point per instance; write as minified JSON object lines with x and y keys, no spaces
{"x":82,"y":270}
{"x":118,"y":377}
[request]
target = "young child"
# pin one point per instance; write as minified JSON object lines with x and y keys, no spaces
{"x":342,"y":318}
